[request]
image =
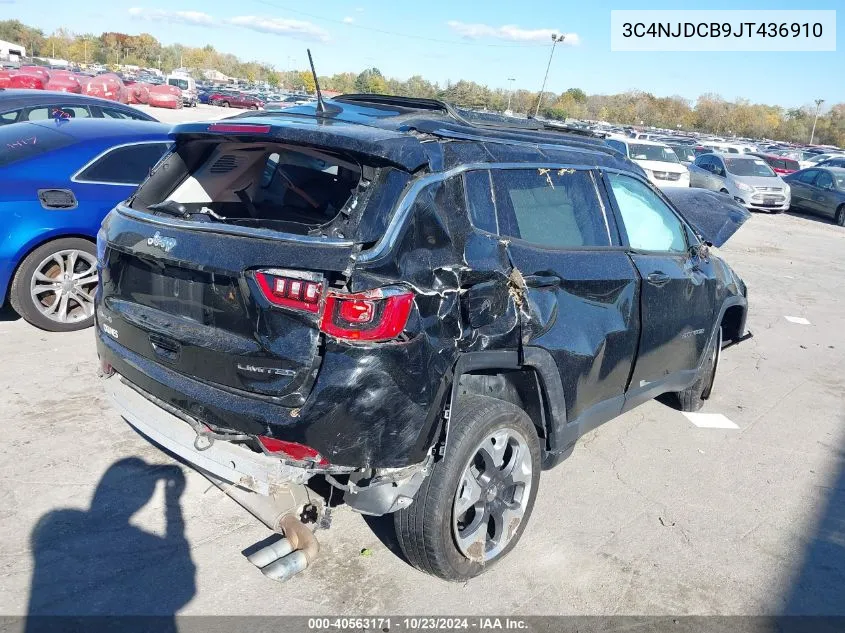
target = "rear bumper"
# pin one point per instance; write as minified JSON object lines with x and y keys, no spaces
{"x":232,"y":463}
{"x":373,"y":421}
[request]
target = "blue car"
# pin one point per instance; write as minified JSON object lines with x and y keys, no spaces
{"x":58,"y":180}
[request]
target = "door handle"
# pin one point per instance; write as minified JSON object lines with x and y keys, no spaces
{"x":542,"y":281}
{"x":164,"y":347}
{"x":658,"y":278}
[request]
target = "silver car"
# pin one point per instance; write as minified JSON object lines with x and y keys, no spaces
{"x":747,"y":179}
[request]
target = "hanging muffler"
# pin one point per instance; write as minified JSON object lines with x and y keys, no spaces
{"x":281,"y":512}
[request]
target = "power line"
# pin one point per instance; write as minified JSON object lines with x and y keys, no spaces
{"x":395,"y":33}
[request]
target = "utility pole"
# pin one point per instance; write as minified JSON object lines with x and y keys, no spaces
{"x":555,"y":39}
{"x":819,"y":103}
{"x":510,"y":93}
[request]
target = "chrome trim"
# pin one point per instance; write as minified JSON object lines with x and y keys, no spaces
{"x":394,"y":227}
{"x":75,"y":178}
{"x":403,"y":209}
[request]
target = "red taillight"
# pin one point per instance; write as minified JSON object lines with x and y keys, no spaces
{"x":300,"y":294}
{"x":356,"y":310}
{"x":375,"y":315}
{"x":239,"y":128}
{"x":292,"y":450}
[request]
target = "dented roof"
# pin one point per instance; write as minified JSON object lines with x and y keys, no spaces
{"x":424,"y":134}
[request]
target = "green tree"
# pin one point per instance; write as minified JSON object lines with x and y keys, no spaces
{"x":371,"y":81}
{"x":577,"y":95}
{"x":29,"y":37}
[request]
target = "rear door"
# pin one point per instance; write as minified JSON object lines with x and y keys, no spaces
{"x":801,"y":186}
{"x":678,"y":287}
{"x":581,"y":300}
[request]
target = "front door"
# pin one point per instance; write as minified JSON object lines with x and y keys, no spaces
{"x":677,"y":292}
{"x":823,"y":192}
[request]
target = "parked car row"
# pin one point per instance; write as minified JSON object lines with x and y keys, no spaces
{"x":760,"y":180}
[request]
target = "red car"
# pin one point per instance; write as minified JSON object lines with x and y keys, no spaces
{"x":781,"y":165}
{"x":235,"y":100}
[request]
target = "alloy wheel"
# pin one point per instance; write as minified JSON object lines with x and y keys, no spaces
{"x":63,"y":286}
{"x":492,"y":495}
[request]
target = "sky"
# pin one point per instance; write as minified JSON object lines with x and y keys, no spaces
{"x":488,"y":41}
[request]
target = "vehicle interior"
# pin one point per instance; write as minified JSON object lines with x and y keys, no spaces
{"x":291,"y":189}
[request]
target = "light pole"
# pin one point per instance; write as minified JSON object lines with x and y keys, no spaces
{"x":555,"y":39}
{"x":819,"y":103}
{"x":510,"y":93}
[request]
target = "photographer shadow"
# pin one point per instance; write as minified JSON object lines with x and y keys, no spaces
{"x":95,"y":563}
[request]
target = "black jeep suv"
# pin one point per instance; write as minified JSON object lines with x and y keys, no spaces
{"x":422,"y":310}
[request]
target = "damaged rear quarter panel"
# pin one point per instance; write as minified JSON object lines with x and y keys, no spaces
{"x":393,"y":391}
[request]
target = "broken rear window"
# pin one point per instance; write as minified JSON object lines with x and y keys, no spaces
{"x":290,"y":189}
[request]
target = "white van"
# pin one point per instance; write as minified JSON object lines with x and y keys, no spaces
{"x":188,"y":87}
{"x":660,"y":163}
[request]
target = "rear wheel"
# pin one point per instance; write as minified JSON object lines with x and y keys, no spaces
{"x":692,"y":398}
{"x":54,"y":286}
{"x":839,"y":218}
{"x":474,"y":505}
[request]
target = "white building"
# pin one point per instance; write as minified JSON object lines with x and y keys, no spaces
{"x":11,"y":52}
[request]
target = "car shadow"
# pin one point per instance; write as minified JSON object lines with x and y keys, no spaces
{"x":7,"y":314}
{"x":818,"y":588}
{"x":94,"y":562}
{"x":810,"y":216}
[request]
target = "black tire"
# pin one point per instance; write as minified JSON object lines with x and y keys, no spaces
{"x":253,"y":107}
{"x":839,"y":218}
{"x":224,"y":104}
{"x":425,"y":528}
{"x":20,"y":291}
{"x":692,"y":398}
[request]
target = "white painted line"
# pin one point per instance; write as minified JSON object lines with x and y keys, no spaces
{"x":710,"y":421}
{"x":798,"y":320}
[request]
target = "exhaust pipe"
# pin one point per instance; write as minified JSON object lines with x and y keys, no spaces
{"x":290,"y":555}
{"x":285,"y":558}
